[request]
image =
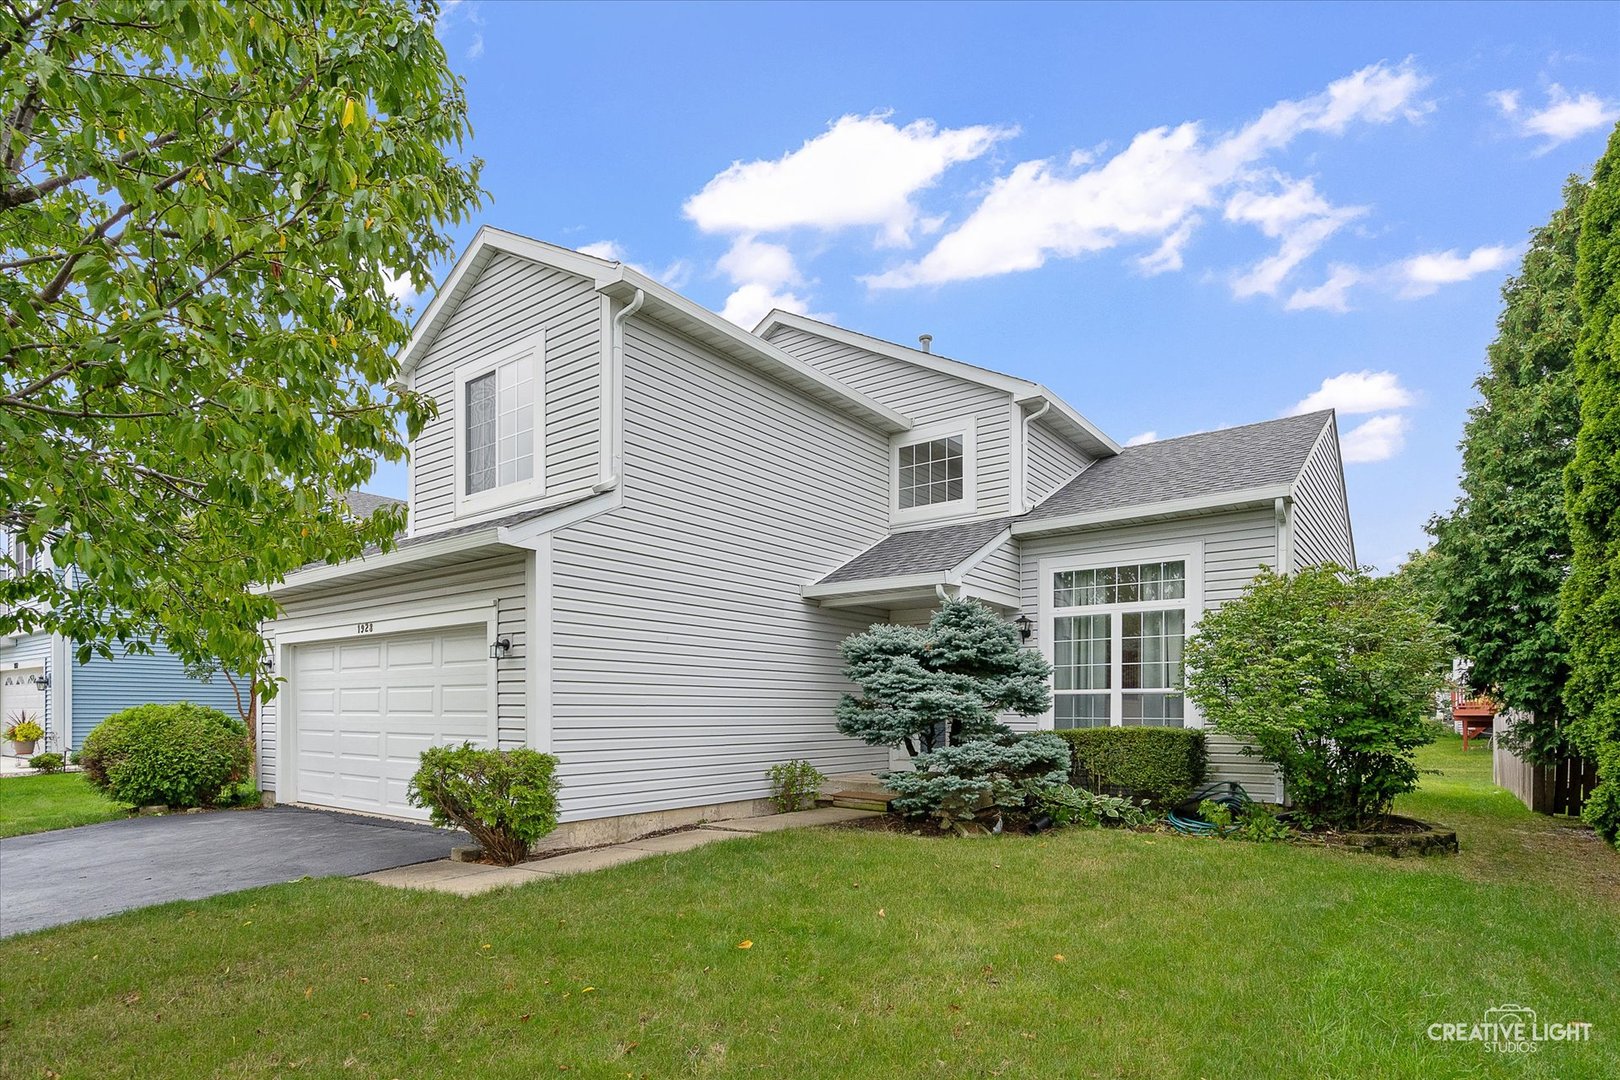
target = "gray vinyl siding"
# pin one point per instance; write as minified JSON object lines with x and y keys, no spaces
{"x":998,"y":572}
{"x":684,"y":661}
{"x":499,"y":580}
{"x":105,"y":685}
{"x":1321,"y":522}
{"x":1235,"y":545}
{"x":925,"y":397}
{"x":513,"y":299}
{"x":1053,"y":461}
{"x":27,"y":652}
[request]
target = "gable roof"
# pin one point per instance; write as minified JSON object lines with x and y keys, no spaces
{"x":1261,"y":461}
{"x":661,"y":303}
{"x":1062,"y":416}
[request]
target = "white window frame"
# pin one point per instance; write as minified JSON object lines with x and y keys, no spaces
{"x":531,"y":350}
{"x":968,"y":504}
{"x":1192,"y":602}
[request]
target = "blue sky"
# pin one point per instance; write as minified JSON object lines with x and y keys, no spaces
{"x":1178,"y":217}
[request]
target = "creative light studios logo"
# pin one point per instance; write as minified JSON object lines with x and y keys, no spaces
{"x":1511,"y":1029}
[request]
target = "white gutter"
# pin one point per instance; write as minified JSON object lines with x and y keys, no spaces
{"x":610,"y":458}
{"x":1227,"y":500}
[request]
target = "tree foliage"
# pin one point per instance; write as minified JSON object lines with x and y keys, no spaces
{"x":1591,"y":598}
{"x":1331,"y":675}
{"x":922,"y":687}
{"x":1501,"y":555}
{"x":202,"y":209}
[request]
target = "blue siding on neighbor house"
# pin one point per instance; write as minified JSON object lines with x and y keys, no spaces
{"x":30,"y":652}
{"x":103,"y":687}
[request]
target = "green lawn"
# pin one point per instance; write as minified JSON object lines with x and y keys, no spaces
{"x":30,"y":804}
{"x":1085,"y":953}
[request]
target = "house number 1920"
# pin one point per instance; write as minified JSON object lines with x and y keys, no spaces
{"x":364,"y":628}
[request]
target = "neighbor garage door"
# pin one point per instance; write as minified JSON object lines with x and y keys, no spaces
{"x":368,"y":707}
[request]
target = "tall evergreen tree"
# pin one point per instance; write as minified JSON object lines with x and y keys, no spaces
{"x":1501,"y":555}
{"x":1591,"y":599}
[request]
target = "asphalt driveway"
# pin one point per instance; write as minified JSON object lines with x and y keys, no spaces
{"x":57,"y":877}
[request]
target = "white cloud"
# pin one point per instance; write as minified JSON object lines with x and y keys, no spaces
{"x":1295,"y":215}
{"x":476,"y":49}
{"x":1377,"y":439}
{"x":603,"y":249}
{"x":862,"y":171}
{"x":1565,"y":116}
{"x":400,"y":288}
{"x":1421,"y":275}
{"x":1331,"y":295}
{"x":754,"y":261}
{"x":763,"y":273}
{"x":1143,"y":439}
{"x":750,"y":303}
{"x":1356,"y":392}
{"x":1153,"y":190}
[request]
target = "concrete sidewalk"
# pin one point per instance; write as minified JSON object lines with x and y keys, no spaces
{"x":470,"y":879}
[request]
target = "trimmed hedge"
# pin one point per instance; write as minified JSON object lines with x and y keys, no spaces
{"x":1163,"y":765}
{"x":174,"y":755}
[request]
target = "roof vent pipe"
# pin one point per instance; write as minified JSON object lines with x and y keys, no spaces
{"x":926,"y":341}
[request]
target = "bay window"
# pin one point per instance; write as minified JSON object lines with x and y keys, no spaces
{"x":1117,"y":632}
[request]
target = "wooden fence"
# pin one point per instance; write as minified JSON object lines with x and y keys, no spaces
{"x":1560,"y":788}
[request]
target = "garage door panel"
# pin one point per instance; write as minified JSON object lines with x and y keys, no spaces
{"x":464,"y":651}
{"x":356,"y":658}
{"x":367,"y":710}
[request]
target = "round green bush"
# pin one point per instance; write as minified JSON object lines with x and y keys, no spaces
{"x":175,"y":755}
{"x":47,"y":763}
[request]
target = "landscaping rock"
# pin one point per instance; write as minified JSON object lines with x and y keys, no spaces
{"x":1425,"y":839}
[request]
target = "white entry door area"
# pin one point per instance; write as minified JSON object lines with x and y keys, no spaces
{"x":367,"y":707}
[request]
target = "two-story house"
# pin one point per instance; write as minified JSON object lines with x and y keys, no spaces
{"x":638,"y":534}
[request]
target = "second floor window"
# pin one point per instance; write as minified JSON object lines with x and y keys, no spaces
{"x":931,"y":472}
{"x":500,"y":426}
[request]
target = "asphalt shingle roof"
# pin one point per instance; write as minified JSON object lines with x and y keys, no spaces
{"x":364,"y":503}
{"x":1255,"y":455}
{"x":1209,"y":463}
{"x":924,"y":551}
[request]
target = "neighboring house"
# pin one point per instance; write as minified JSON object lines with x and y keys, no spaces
{"x":40,"y":675}
{"x":638,"y":534}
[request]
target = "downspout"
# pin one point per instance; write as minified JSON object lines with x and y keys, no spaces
{"x":612,"y":461}
{"x":1029,"y":503}
{"x":1285,"y":536}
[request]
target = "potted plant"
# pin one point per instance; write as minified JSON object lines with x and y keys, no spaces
{"x":23,"y":732}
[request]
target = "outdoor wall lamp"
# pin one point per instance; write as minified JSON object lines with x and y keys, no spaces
{"x":1025,"y":626}
{"x":501,"y":649}
{"x":267,"y":662}
{"x":43,"y":681}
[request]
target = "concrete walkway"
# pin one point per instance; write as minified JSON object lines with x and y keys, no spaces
{"x":470,"y":879}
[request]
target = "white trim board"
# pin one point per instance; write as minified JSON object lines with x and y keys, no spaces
{"x":1191,"y":551}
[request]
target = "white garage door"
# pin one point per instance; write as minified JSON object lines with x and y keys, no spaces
{"x":368,"y":707}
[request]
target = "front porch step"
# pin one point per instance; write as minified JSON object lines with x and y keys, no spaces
{"x":864,"y":781}
{"x":860,"y":800}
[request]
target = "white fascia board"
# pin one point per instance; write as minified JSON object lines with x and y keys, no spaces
{"x":397,"y":559}
{"x":868,"y":586}
{"x":661,"y":299}
{"x":485,"y":244}
{"x":605,"y":274}
{"x":533,"y":534}
{"x":965,"y":567}
{"x":933,"y":361}
{"x":1090,"y":436}
{"x":1258,"y":496}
